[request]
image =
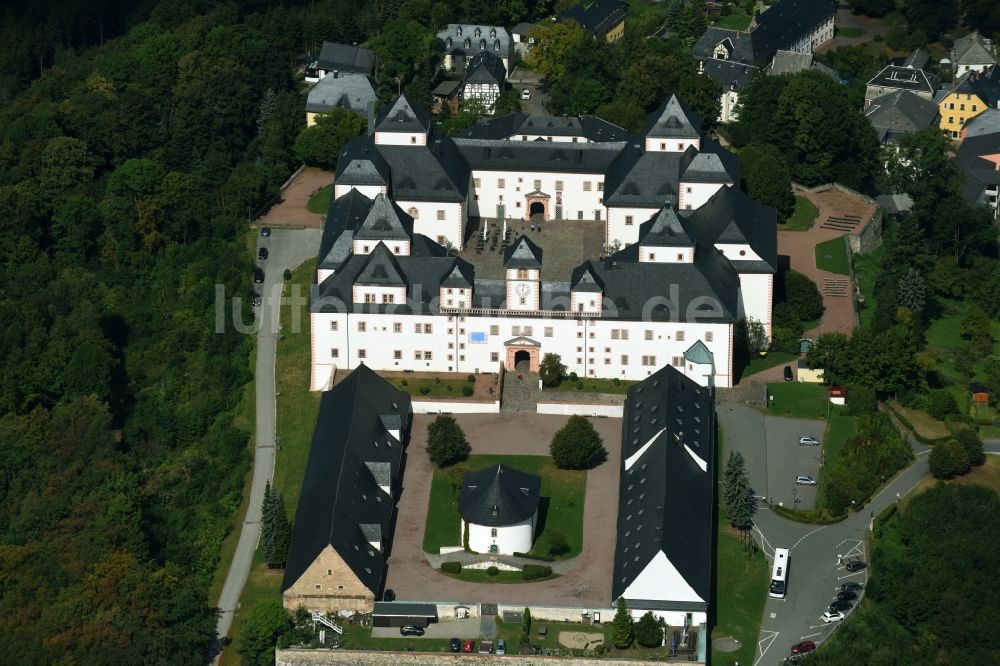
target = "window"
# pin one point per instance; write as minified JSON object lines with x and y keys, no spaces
{"x":334,"y":352}
{"x":538,"y":184}
{"x":607,"y":361}
{"x":649,"y":360}
{"x":574,"y":139}
{"x":624,"y":334}
{"x":329,"y":572}
{"x":362,"y":353}
{"x":614,"y":334}
{"x":476,"y":182}
{"x":652,"y":256}
{"x":362,"y":327}
{"x":493,"y":532}
{"x":548,"y":331}
{"x":680,"y":256}
{"x":951,"y":119}
{"x":628,"y":220}
{"x":440,"y":214}
{"x":417,"y":328}
{"x":680,"y":146}
{"x":607,"y":350}
{"x":559,"y":185}
{"x":677,"y":361}
{"x":687,"y":206}
{"x":451,"y":345}
{"x":624,"y":359}
{"x":494,"y":330}
{"x":648,"y":334}
{"x":428,"y":328}
{"x":413,"y":212}
{"x":517,"y":204}
{"x":441,"y":240}
{"x":388,"y":298}
{"x":522,"y":274}
{"x":369,"y":298}
{"x":961,"y":107}
{"x":579,"y":334}
{"x":586,"y":186}
{"x":334,"y":325}
{"x":427,"y":356}
{"x":523,"y":300}
{"x":365,"y":249}
{"x":501,"y":182}
{"x":528,"y":330}
{"x":494,"y":356}
{"x":973,"y":107}
{"x":708,"y":336}
{"x":413,"y":139}
{"x":663,"y":146}
{"x":515,"y":331}
{"x":397,"y":327}
{"x":397,"y":354}
{"x":579,"y":361}
{"x":688,"y":189}
{"x":680,"y":336}
{"x":395,"y":249}
{"x":600,"y":186}
{"x":417,"y":355}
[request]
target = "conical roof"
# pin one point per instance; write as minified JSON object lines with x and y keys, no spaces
{"x":499,"y":496}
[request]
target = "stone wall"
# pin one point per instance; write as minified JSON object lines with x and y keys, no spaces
{"x":352,"y":658}
{"x":329,"y":585}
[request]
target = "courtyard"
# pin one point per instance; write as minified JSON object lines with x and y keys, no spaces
{"x":587,"y":584}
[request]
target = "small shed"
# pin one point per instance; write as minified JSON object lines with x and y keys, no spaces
{"x":980,"y":393}
{"x":837,"y":395}
{"x":399,"y":613}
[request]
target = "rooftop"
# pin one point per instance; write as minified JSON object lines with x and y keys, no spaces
{"x":498,"y":496}
{"x":565,"y":244}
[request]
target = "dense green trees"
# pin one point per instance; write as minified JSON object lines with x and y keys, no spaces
{"x":320,"y":144}
{"x":577,"y":445}
{"x":874,"y":454}
{"x":737,"y":495}
{"x":275,"y":528}
{"x":266,"y":622}
{"x":649,"y":631}
{"x":767,"y":179}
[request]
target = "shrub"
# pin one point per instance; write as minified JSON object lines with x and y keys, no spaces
{"x":446,"y":443}
{"x":471,"y":379}
{"x":649,"y":631}
{"x":621,"y":626}
{"x":450,"y":388}
{"x":542,"y":558}
{"x":437,"y":380}
{"x":287,"y":274}
{"x":424,"y":390}
{"x":616,"y":381}
{"x":454,"y":568}
{"x":535,"y":571}
{"x":492,"y":571}
{"x":573,"y":376}
{"x":861,"y":400}
{"x":803,"y":297}
{"x":972,"y":445}
{"x":948,"y":460}
{"x":579,"y":386}
{"x":467,"y":391}
{"x":404,"y":382}
{"x":558,"y":544}
{"x":577,"y":445}
{"x":551,"y":370}
{"x":941,"y":404}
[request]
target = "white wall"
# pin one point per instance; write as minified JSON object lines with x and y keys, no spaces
{"x":509,"y":539}
{"x":516,"y":184}
{"x":426,"y":222}
{"x":487,"y":93}
{"x":756,"y":291}
{"x":370,"y":191}
{"x":581,"y":409}
{"x":729,"y":99}
{"x":454,"y":407}
{"x":401,"y":138}
{"x":323,"y":273}
{"x":549,"y":137}
{"x":674,"y":145}
{"x":666,"y":255}
{"x":400,"y":248}
{"x":732,"y":251}
{"x":692,"y":196}
{"x":378,"y":293}
{"x":626,"y":234}
{"x":455,"y":297}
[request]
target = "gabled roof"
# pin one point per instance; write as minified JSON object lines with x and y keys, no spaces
{"x":978,"y":172}
{"x":486,"y":68}
{"x":461,"y":276}
{"x":987,"y":122}
{"x":384,"y":221}
{"x":598,"y":17}
{"x":731,"y":216}
{"x":706,"y":168}
{"x":343,"y":217}
{"x":904,"y":78}
{"x":729,"y":74}
{"x":789,"y":62}
{"x":673,"y":120}
{"x":738,"y":44}
{"x":584,"y":279}
{"x":522,"y":253}
{"x":469,"y":39}
{"x":973,"y":49}
{"x":663,"y":549}
{"x":900,"y":112}
{"x":346,"y":58}
{"x":435,"y":172}
{"x":985,"y":85}
{"x":786,"y":22}
{"x":347,"y":91}
{"x":381,"y":269}
{"x":646,"y":179}
{"x":361,"y":164}
{"x":402,"y":115}
{"x":664,"y":230}
{"x":339,"y":493}
{"x":498,"y":496}
{"x":699,"y":353}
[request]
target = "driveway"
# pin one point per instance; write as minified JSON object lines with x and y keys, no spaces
{"x":523,"y":78}
{"x":291,"y":209}
{"x":288,"y":248}
{"x":848,"y":19}
{"x":587,"y":585}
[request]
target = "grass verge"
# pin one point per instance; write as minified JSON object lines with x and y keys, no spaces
{"x":849,"y":32}
{"x":740,"y":594}
{"x":509,"y":577}
{"x":831,"y":256}
{"x":798,"y":400}
{"x":738,"y":21}
{"x":433,"y":387}
{"x":319,"y":202}
{"x":866,"y":268}
{"x":803,"y":216}
{"x":841,"y":428}
{"x":612,"y":386}
{"x":762,"y":363}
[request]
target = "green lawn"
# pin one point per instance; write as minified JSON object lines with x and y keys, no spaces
{"x":738,"y":21}
{"x":866,"y":268}
{"x":800,"y":400}
{"x":319,"y":203}
{"x":944,"y":336}
{"x":761,"y":363}
{"x":584,"y":385}
{"x":356,"y":637}
{"x":802,"y":218}
{"x":433,"y":387}
{"x":560,"y":506}
{"x":841,"y":428}
{"x":512,"y":633}
{"x":849,"y":32}
{"x":832,"y":256}
{"x":480,"y":576}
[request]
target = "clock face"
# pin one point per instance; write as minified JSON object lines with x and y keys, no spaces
{"x":522,"y":290}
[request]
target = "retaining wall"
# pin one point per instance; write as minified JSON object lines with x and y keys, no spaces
{"x":352,"y":658}
{"x":455,"y":406}
{"x":580,"y":408}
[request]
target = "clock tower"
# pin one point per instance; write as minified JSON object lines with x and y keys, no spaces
{"x":522,"y":262}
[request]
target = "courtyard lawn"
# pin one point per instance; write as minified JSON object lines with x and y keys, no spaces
{"x":319,"y":202}
{"x":865,"y":271}
{"x":944,"y":336}
{"x":356,"y":637}
{"x":841,"y":429}
{"x":583,"y":385}
{"x":433,"y":387}
{"x":761,"y":363}
{"x":849,"y":32}
{"x":831,"y":256}
{"x":738,"y":21}
{"x":560,"y":507}
{"x":802,"y":218}
{"x":798,"y":400}
{"x":480,"y":576}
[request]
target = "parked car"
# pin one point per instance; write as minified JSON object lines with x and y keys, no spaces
{"x":485,"y":647}
{"x":411,"y":630}
{"x":455,"y":645}
{"x":805,"y":480}
{"x":847,"y":595}
{"x":525,"y":94}
{"x":803,"y":647}
{"x":808,"y":441}
{"x":265,"y":232}
{"x":851,"y":585}
{"x":855,"y":565}
{"x":839,"y":605}
{"x":255,"y":299}
{"x":262,"y":253}
{"x":468,"y":646}
{"x":502,"y":646}
{"x":258,"y":276}
{"x":832,"y":616}
{"x":789,"y":375}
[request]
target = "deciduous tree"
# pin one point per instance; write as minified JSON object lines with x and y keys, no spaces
{"x":577,"y":445}
{"x":446,"y":443}
{"x":551,"y":370}
{"x":320,"y":144}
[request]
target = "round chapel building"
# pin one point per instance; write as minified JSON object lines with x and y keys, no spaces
{"x":500,"y":507}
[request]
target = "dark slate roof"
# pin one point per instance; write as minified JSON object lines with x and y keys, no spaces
{"x":645,"y":179}
{"x":598,"y":17}
{"x":730,"y":75}
{"x":381,"y":269}
{"x":515,"y":125}
{"x":739,"y":44}
{"x":899,"y":113}
{"x":706,"y":167}
{"x":904,"y":78}
{"x":347,"y":91}
{"x":461,"y":276}
{"x":984,"y":84}
{"x":583,"y":279}
{"x":732,"y":216}
{"x":665,"y":499}
{"x":673,"y":120}
{"x":664,"y":230}
{"x":978,"y":172}
{"x":461,"y":39}
{"x":342,"y":219}
{"x":402,"y":115}
{"x":384,"y":221}
{"x":434,"y":172}
{"x":987,"y":122}
{"x":789,"y":62}
{"x":404,"y":609}
{"x":346,"y":58}
{"x":339,"y":493}
{"x":360,"y":164}
{"x":786,"y":22}
{"x":973,"y":49}
{"x":540,"y":156}
{"x":498,"y":496}
{"x":522,"y":253}
{"x":486,"y":68}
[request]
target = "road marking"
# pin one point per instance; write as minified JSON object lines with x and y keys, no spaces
{"x":818,"y":633}
{"x":806,"y":535}
{"x":762,"y":648}
{"x":856,"y":573}
{"x":765,"y":542}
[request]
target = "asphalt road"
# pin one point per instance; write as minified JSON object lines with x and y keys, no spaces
{"x":815,"y":570}
{"x":288,"y":248}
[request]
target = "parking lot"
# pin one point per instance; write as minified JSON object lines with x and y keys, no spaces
{"x":523,"y":78}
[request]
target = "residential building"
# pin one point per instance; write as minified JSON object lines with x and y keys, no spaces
{"x":343,"y":58}
{"x":485,"y":79}
{"x":898,"y":114}
{"x":447,"y":92}
{"x":460,"y":42}
{"x":792,"y":62}
{"x":970,"y":95}
{"x":353,"y":92}
{"x":666,"y":494}
{"x":972,"y":53}
{"x":499,"y":509}
{"x":732,"y":77}
{"x":978,"y":160}
{"x":604,"y":19}
{"x":344,"y":520}
{"x":987,"y":122}
{"x":906,"y":75}
{"x":793,"y":25}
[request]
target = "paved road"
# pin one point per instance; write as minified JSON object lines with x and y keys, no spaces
{"x":288,"y":249}
{"x":815,"y":572}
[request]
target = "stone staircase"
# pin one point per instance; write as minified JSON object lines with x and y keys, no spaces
{"x":520,"y":395}
{"x":837,"y":287}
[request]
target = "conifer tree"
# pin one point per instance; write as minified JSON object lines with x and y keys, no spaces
{"x":621,"y":626}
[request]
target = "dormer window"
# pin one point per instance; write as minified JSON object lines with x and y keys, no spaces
{"x":447,"y":42}
{"x":478,"y":32}
{"x":468,"y":42}
{"x":482,"y":44}
{"x":458,"y":31}
{"x":493,"y":33}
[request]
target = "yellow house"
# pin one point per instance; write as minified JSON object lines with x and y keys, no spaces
{"x":809,"y":375}
{"x":971,"y":94}
{"x":601,"y":18}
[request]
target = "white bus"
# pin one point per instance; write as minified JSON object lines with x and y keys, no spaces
{"x":779,"y":574}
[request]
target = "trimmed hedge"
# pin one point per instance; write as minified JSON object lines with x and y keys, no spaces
{"x":543,"y":558}
{"x":882,"y":518}
{"x":492,"y":571}
{"x":451,"y":567}
{"x":811,"y":516}
{"x":533,"y":571}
